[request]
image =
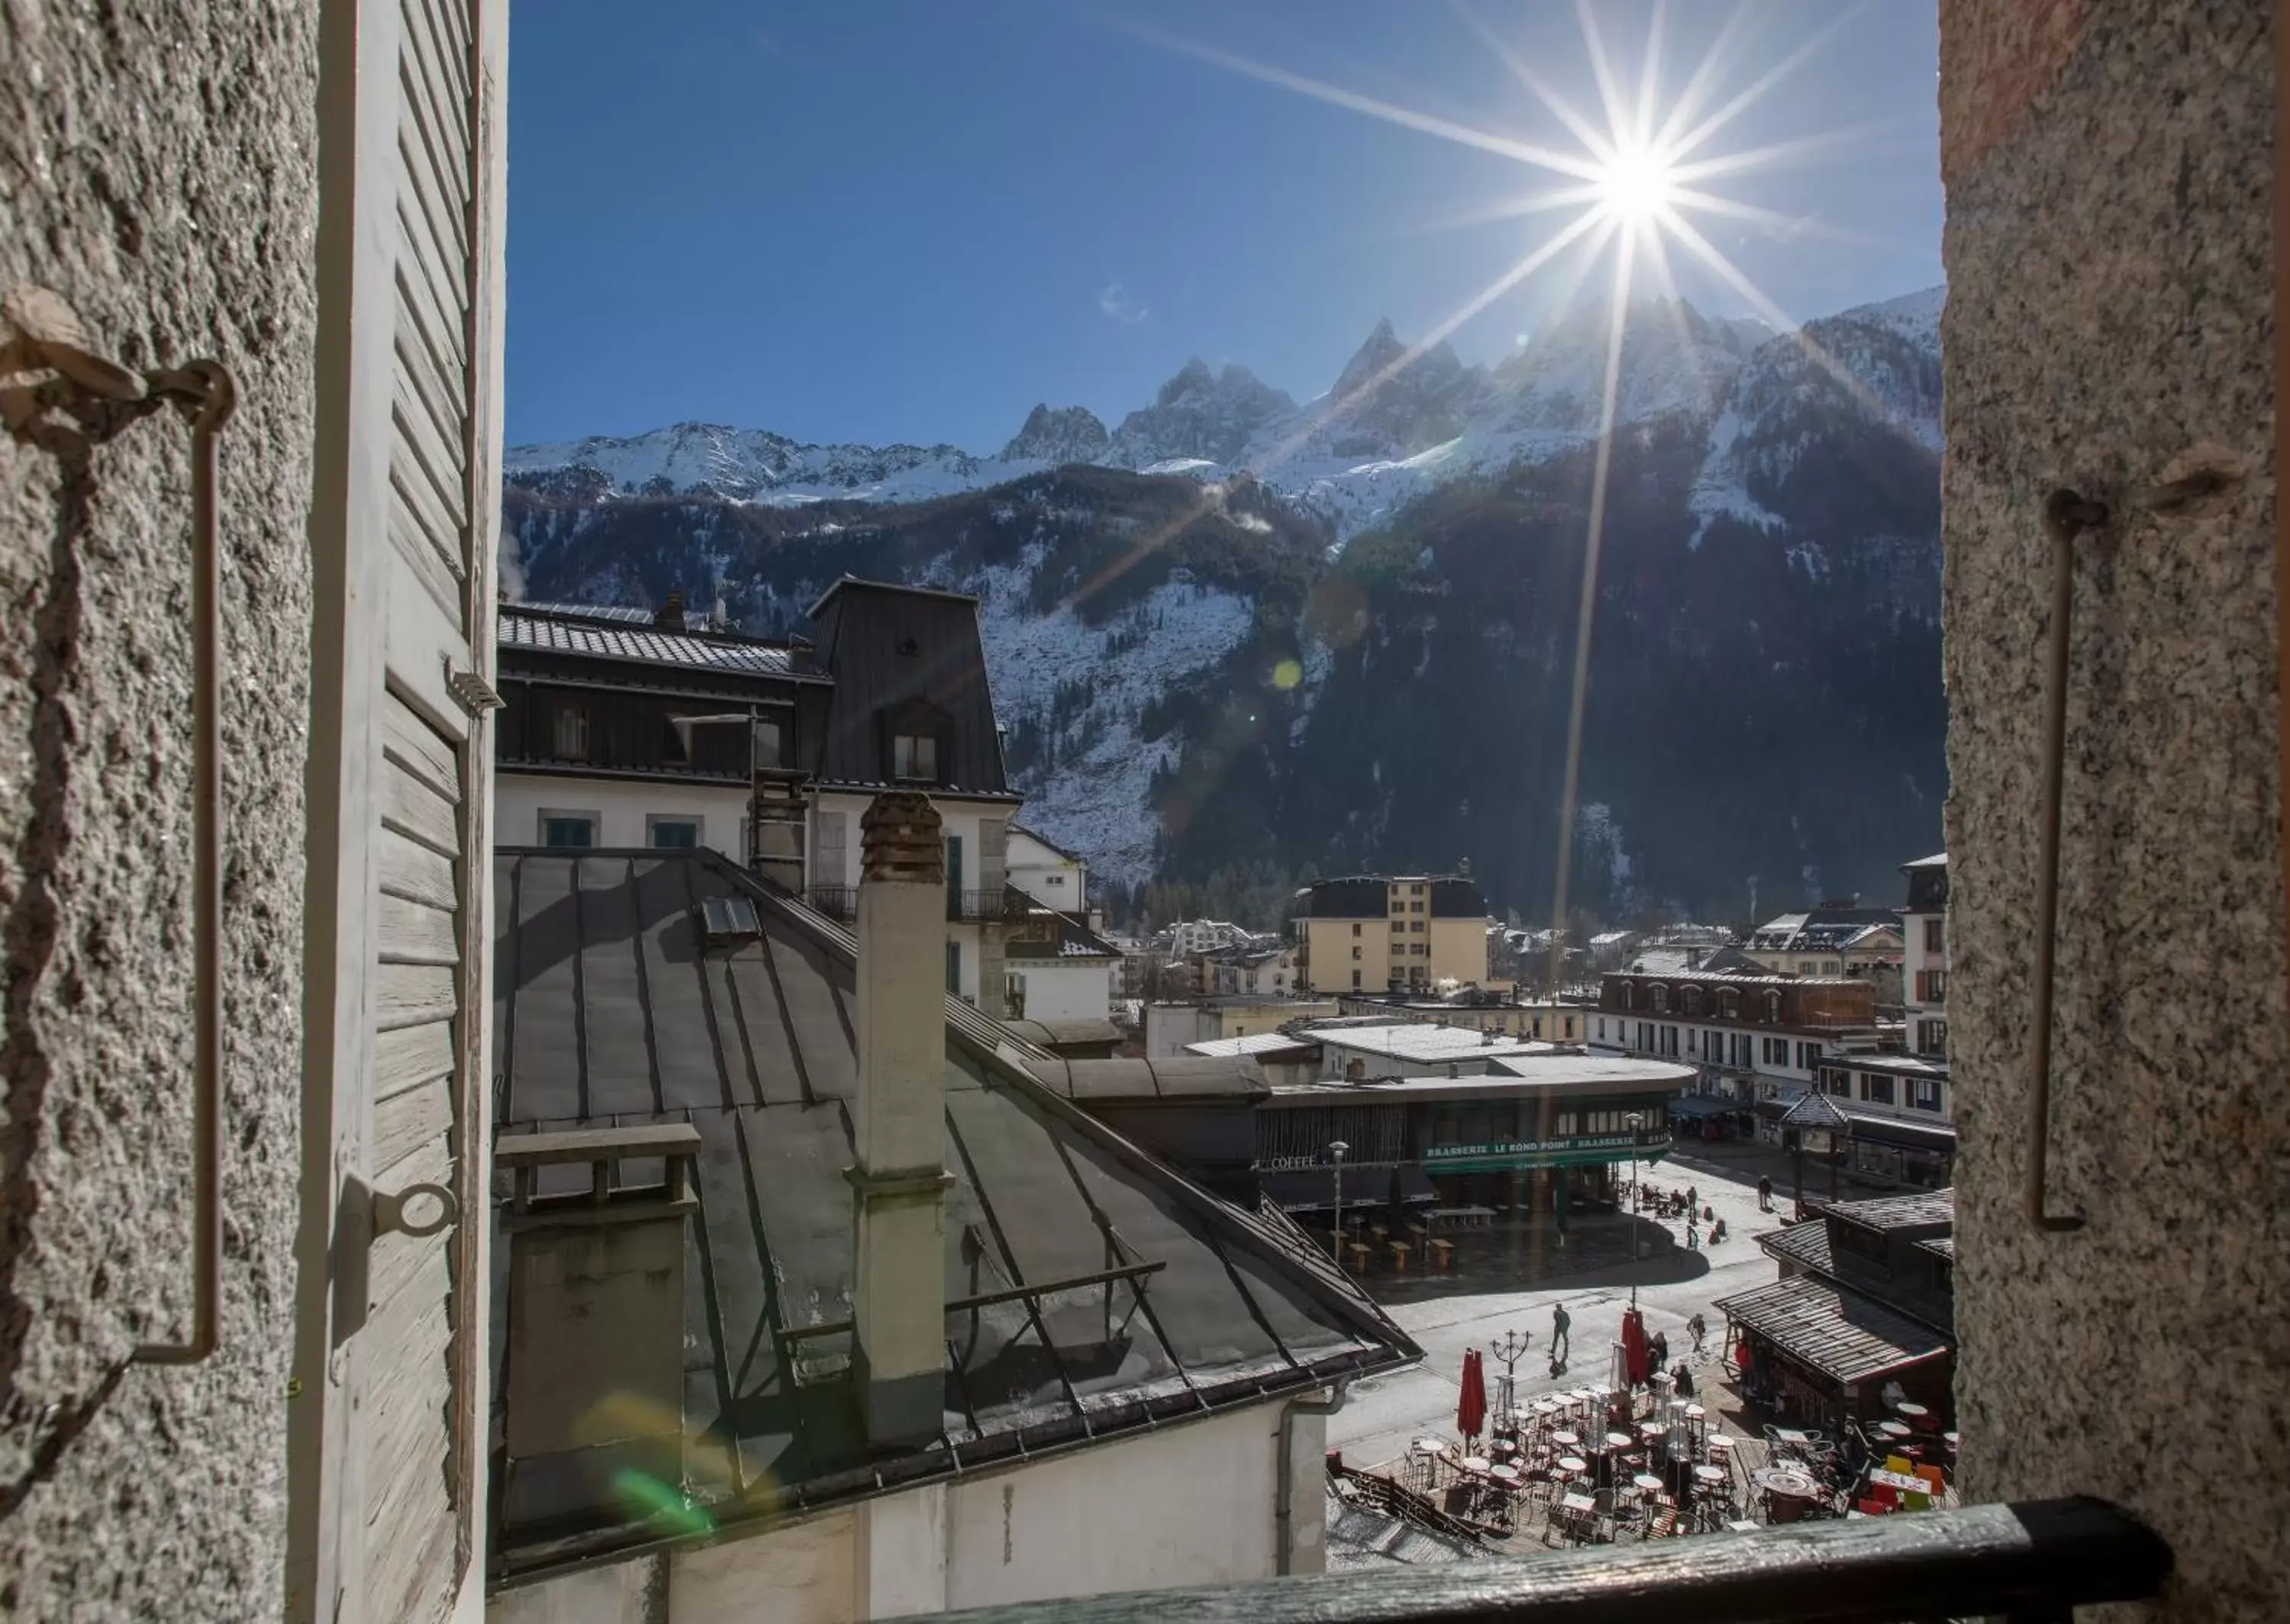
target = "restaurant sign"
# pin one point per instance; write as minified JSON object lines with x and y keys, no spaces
{"x":1538,"y":1152}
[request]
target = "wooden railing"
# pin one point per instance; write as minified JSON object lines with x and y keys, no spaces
{"x":2035,"y":1561}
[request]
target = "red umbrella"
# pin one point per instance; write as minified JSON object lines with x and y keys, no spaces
{"x":1471,"y":1408}
{"x":1634,"y":1345}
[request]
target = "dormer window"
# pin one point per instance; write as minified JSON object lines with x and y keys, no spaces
{"x":1662,"y":1000}
{"x":1729,"y":1004}
{"x":914,"y":758}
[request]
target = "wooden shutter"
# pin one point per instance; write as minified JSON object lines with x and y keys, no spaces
{"x":388,"y":1497}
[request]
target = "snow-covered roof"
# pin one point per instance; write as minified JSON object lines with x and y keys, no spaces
{"x":1254,"y":1043}
{"x":1419,"y":1043}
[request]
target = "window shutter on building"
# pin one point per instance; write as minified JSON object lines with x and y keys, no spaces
{"x":387,"y":1455}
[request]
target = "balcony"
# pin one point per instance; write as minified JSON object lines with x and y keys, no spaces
{"x":980,"y":905}
{"x":835,"y":901}
{"x":2024,"y":1563}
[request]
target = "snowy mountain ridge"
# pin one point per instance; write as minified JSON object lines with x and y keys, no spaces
{"x":1393,"y":426}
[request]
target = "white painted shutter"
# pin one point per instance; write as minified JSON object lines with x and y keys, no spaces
{"x":389,"y":1493}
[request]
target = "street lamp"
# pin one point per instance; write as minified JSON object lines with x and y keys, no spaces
{"x":1336,"y":1148}
{"x":1635,"y":1122}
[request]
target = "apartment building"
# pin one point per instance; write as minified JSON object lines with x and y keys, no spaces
{"x":631,"y":728}
{"x":1923,"y":963}
{"x":1839,"y":938}
{"x":1754,"y":1037}
{"x":1371,"y":933}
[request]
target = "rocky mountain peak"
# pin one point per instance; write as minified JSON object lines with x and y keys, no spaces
{"x":1059,"y":435}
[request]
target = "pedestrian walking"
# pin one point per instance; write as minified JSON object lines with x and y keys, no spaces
{"x":1693,"y":1235}
{"x":1764,"y":1193}
{"x":1559,"y":1323}
{"x":1697,"y":1328}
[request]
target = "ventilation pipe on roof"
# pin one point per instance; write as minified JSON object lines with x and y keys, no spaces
{"x":899,"y":1182}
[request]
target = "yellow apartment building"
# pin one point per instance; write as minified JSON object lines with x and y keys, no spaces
{"x":1390,"y":932}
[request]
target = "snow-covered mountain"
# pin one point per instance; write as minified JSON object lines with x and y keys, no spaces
{"x":1196,"y":681}
{"x":1397,"y":423}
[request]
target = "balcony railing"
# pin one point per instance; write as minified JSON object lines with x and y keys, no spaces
{"x":2027,"y":1563}
{"x":835,"y":901}
{"x":996,"y":904}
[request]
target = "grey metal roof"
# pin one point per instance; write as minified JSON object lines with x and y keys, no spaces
{"x":1845,"y":1336}
{"x":584,"y":632}
{"x":610,"y":1009}
{"x":1804,"y":1245}
{"x":1910,"y":1211}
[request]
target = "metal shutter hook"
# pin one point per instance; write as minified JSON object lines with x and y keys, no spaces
{"x":2066,"y":515}
{"x":206,"y":394}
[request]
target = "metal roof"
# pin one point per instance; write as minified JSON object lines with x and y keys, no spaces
{"x":584,"y":632}
{"x":1910,"y":1211}
{"x":1844,"y":1335}
{"x":610,"y":1009}
{"x":1804,"y":1245}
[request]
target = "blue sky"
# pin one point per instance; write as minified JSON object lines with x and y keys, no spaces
{"x":893,"y":219}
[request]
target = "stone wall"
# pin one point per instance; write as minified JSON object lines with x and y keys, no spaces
{"x":2111,"y":326}
{"x":156,"y":170}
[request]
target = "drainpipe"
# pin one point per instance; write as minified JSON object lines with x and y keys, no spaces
{"x":1284,"y":1494}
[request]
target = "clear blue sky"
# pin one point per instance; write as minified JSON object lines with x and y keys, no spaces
{"x":895,"y":220}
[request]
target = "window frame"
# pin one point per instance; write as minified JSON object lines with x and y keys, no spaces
{"x":561,"y":711}
{"x":559,"y":814}
{"x":656,"y":822}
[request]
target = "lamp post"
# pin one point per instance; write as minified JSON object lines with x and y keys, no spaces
{"x":1336,"y":1148}
{"x":1635,"y":1121}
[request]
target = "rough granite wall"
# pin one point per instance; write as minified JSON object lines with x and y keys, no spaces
{"x":2110,"y":325}
{"x":158,"y":171}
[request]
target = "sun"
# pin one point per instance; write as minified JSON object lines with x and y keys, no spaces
{"x":1637,"y":183}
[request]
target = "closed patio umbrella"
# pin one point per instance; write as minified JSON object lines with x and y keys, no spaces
{"x":1471,"y":1408}
{"x":1634,"y":1345}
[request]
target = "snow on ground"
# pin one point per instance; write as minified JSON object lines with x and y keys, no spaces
{"x":1717,"y":489}
{"x":1096,"y":801}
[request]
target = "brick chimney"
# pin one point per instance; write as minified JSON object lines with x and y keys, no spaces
{"x":669,"y":615}
{"x":900,"y":1180}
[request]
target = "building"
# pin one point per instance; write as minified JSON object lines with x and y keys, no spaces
{"x":628,"y":727}
{"x":1836,"y":938}
{"x":1038,"y":1374}
{"x":1056,"y":968}
{"x":1171,"y":1028}
{"x":1924,"y":964}
{"x":1372,"y":932}
{"x":1757,"y":1042}
{"x":632,"y":728}
{"x":1900,"y":1113}
{"x":1369,"y":1047}
{"x":1565,"y":1022}
{"x":1048,"y":873}
{"x":1189,"y":937}
{"x":1864,"y":1304}
{"x":1271,"y":970}
{"x":1526,"y":1132}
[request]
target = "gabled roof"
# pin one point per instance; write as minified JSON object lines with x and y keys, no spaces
{"x":1845,"y":1336}
{"x":1040,"y":839}
{"x":611,"y":1009}
{"x":629,"y":636}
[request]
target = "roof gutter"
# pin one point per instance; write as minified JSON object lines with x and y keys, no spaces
{"x":1284,"y":1494}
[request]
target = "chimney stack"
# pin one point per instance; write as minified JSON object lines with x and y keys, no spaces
{"x":898,"y":1182}
{"x":669,"y":615}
